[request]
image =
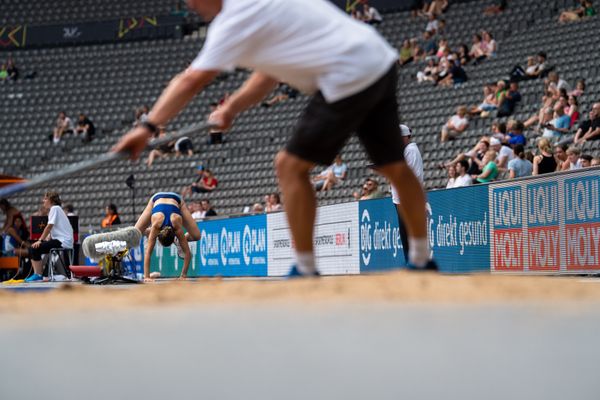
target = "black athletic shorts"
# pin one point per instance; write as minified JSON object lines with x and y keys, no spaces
{"x":45,"y":247}
{"x":372,"y":113}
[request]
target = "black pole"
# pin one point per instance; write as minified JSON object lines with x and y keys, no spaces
{"x":130,"y":182}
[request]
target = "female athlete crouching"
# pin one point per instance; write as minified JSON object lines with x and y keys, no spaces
{"x":164,"y":218}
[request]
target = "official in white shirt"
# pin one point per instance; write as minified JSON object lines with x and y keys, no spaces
{"x":347,"y":68}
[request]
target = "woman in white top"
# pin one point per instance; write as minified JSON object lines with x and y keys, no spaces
{"x":58,"y":233}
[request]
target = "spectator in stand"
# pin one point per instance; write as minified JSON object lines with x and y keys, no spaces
{"x":58,"y":231}
{"x":437,"y":7}
{"x":112,"y":216}
{"x":554,"y":83}
{"x":207,"y":209}
{"x":284,"y":92}
{"x":141,"y":114}
{"x":509,"y":101}
{"x":504,"y":154}
{"x":196,"y":209}
{"x":161,"y":151}
{"x":456,"y":75}
{"x":560,"y":153}
{"x":257,"y":208}
{"x":205,"y":183}
{"x":371,"y":15}
{"x":69,"y":210}
{"x":499,"y":131}
{"x":429,"y":44}
{"x":406,"y":53}
{"x":430,"y":73}
{"x":184,"y":147}
{"x":332,"y":175}
{"x":585,"y":160}
{"x":544,"y":162}
{"x":579,"y":88}
{"x":519,"y":166}
{"x":473,"y":155}
{"x":370,"y":190}
{"x":273,"y":203}
{"x":515,"y":135}
{"x":559,"y":125}
{"x":456,"y":125}
{"x":595,"y":162}
{"x":477,"y":53}
{"x":432,"y":24}
{"x":572,"y":162}
{"x":63,"y":126}
{"x":572,"y":110}
{"x":463,"y":54}
{"x":590,"y":128}
{"x":495,"y":9}
{"x":461,"y":177}
{"x":15,"y":227}
{"x":489,"y":172}
{"x":418,"y":53}
{"x":3,"y":73}
{"x":85,"y":127}
{"x":489,"y":102}
{"x":451,"y":176}
{"x":12,"y":70}
{"x":585,"y":9}
{"x":488,"y":45}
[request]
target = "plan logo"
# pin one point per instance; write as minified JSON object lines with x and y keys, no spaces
{"x":71,"y":32}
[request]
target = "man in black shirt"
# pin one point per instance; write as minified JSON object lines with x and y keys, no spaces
{"x":85,"y":127}
{"x":590,"y":128}
{"x":510,"y":100}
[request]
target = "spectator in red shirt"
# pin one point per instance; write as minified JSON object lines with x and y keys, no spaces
{"x":205,"y":183}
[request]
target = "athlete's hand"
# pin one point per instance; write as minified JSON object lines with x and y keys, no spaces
{"x":134,"y":142}
{"x":148,"y":280}
{"x":221,"y":118}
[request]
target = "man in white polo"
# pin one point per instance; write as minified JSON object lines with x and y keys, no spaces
{"x":349,"y":70}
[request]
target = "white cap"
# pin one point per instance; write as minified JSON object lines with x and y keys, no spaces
{"x":405,"y":130}
{"x":494,"y":141}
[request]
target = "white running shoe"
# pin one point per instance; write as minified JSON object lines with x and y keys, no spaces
{"x":180,"y":252}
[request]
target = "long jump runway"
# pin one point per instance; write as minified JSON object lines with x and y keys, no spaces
{"x":382,"y":337}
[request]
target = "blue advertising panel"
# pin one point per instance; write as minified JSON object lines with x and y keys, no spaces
{"x":233,"y":247}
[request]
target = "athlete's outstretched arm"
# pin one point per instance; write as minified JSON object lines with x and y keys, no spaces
{"x":252,"y":91}
{"x":174,"y":98}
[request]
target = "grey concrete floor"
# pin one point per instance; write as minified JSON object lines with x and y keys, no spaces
{"x":293,"y":351}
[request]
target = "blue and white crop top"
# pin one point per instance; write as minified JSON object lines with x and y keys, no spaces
{"x":166,"y":209}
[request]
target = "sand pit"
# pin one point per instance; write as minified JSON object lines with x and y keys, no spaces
{"x":396,"y":287}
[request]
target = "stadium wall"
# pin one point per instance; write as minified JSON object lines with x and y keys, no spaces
{"x":537,"y":225}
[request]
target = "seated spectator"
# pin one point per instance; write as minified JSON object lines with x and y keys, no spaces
{"x":432,"y":24}
{"x":456,"y":75}
{"x":205,"y":183}
{"x":406,"y":53}
{"x":476,"y":153}
{"x":418,"y":53}
{"x":499,"y":131}
{"x":579,"y":88}
{"x":554,"y":83}
{"x":595,"y":162}
{"x":370,"y":190}
{"x":559,"y":125}
{"x":560,"y":153}
{"x":515,"y":135}
{"x":196,"y":209}
{"x":489,"y":101}
{"x":141,"y":114}
{"x":503,"y":153}
{"x":14,"y":232}
{"x":519,"y":166}
{"x":497,"y":8}
{"x":69,"y":210}
{"x":85,"y":127}
{"x":207,"y":209}
{"x":462,"y":177}
{"x":572,"y":162}
{"x":429,"y":44}
{"x":161,"y":151}
{"x":489,"y":172}
{"x":257,"y":208}
{"x":284,"y":92}
{"x":273,"y":203}
{"x":585,"y":160}
{"x":508,"y":102}
{"x":12,"y":70}
{"x":112,"y":216}
{"x":463,"y":54}
{"x":442,"y":48}
{"x":488,"y":45}
{"x":572,"y":110}
{"x":451,"y":176}
{"x":456,"y":125}
{"x":585,"y":9}
{"x":430,"y":73}
{"x":544,"y":162}
{"x":184,"y":146}
{"x":370,"y":15}
{"x":63,"y":126}
{"x":590,"y":128}
{"x":332,"y":175}
{"x":477,"y":53}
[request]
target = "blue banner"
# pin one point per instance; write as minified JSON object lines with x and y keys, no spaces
{"x":233,"y":247}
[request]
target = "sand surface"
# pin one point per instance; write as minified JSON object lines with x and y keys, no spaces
{"x":395,"y":287}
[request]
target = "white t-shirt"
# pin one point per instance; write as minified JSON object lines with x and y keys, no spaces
{"x":505,"y":152}
{"x":464,"y":180}
{"x":61,"y":227}
{"x":312,"y":45}
{"x":432,"y":26}
{"x":459,"y":122}
{"x":413,"y":158}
